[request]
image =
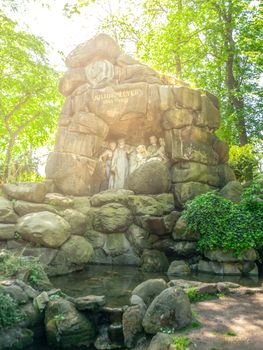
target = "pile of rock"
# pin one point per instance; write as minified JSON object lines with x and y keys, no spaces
{"x":111,"y":227}
{"x":226,"y":263}
{"x":45,"y":225}
{"x":111,"y":95}
{"x":155,"y":307}
{"x":65,"y":322}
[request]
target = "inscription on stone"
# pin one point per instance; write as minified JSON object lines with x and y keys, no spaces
{"x":109,"y":98}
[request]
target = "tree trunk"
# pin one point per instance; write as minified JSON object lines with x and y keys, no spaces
{"x":234,"y":94}
{"x":8,"y":157}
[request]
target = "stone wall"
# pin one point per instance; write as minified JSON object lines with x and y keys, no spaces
{"x":112,"y":227}
{"x":110,"y":95}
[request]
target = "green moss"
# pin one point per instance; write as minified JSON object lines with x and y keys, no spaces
{"x":194,"y":296}
{"x":10,"y":314}
{"x":12,"y":265}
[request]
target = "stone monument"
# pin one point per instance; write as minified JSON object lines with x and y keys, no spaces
{"x":115,"y":104}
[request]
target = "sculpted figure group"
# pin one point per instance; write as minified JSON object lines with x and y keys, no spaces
{"x":121,"y":159}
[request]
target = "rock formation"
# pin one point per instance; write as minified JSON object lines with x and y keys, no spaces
{"x":109,"y":95}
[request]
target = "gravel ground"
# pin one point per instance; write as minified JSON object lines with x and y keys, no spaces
{"x":230,"y":323}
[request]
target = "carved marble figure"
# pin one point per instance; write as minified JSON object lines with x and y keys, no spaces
{"x":119,"y":165}
{"x":107,"y":158}
{"x":141,"y":155}
{"x":153,"y":148}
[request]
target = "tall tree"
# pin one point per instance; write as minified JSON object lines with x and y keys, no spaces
{"x":29,"y":101}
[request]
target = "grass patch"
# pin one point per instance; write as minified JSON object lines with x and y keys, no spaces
{"x":231,"y":334}
{"x":194,"y":296}
{"x":10,"y":314}
{"x":181,"y":343}
{"x":15,"y":265}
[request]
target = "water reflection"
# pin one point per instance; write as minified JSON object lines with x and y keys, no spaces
{"x":117,"y":282}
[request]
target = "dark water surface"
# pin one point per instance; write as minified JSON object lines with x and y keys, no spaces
{"x":117,"y":282}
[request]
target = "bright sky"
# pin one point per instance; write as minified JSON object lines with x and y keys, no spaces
{"x":63,"y":33}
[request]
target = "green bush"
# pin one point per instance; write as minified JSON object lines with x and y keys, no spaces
{"x":225,"y":225}
{"x":243,"y":160}
{"x":11,"y":265}
{"x":9,"y":311}
{"x":181,"y":343}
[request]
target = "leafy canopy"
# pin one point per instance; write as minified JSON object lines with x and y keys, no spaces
{"x":225,"y":225}
{"x":29,"y":100}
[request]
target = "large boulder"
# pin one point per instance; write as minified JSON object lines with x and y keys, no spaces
{"x":7,"y":214}
{"x":26,"y":191}
{"x":232,"y":191}
{"x":195,"y":172}
{"x":132,"y":324}
{"x":82,"y":204}
{"x":77,"y":250}
{"x":71,"y":80}
{"x":187,"y":98}
{"x":44,"y":228}
{"x":191,"y":143}
{"x":149,"y":289}
{"x":209,"y":115}
{"x":186,"y":191}
{"x":7,"y":231}
{"x":76,"y":174}
{"x":181,"y":233}
{"x":170,"y":309}
{"x":111,"y":196}
{"x":166,"y":200}
{"x":72,"y":256}
{"x":228,"y":268}
{"x":150,"y":178}
{"x":222,"y":256}
{"x":154,"y":261}
{"x":145,"y":205}
{"x":15,"y":338}
{"x":158,"y":225}
{"x":116,"y":244}
{"x":177,"y":118}
{"x":23,"y":208}
{"x":77,"y":221}
{"x":138,"y":237}
{"x":180,"y":248}
{"x":66,"y":327}
{"x":95,"y":238}
{"x":101,"y":47}
{"x":161,"y":341}
{"x":112,"y":218}
{"x":178,"y":267}
{"x":59,"y":201}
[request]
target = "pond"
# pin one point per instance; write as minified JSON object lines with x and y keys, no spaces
{"x":117,"y":282}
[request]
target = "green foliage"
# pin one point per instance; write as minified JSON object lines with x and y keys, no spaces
{"x":29,"y":100}
{"x":12,"y":265}
{"x":181,"y":343}
{"x":194,"y":295}
{"x":9,"y":311}
{"x":243,"y":160}
{"x":231,"y":334}
{"x":56,"y":296}
{"x":225,"y":225}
